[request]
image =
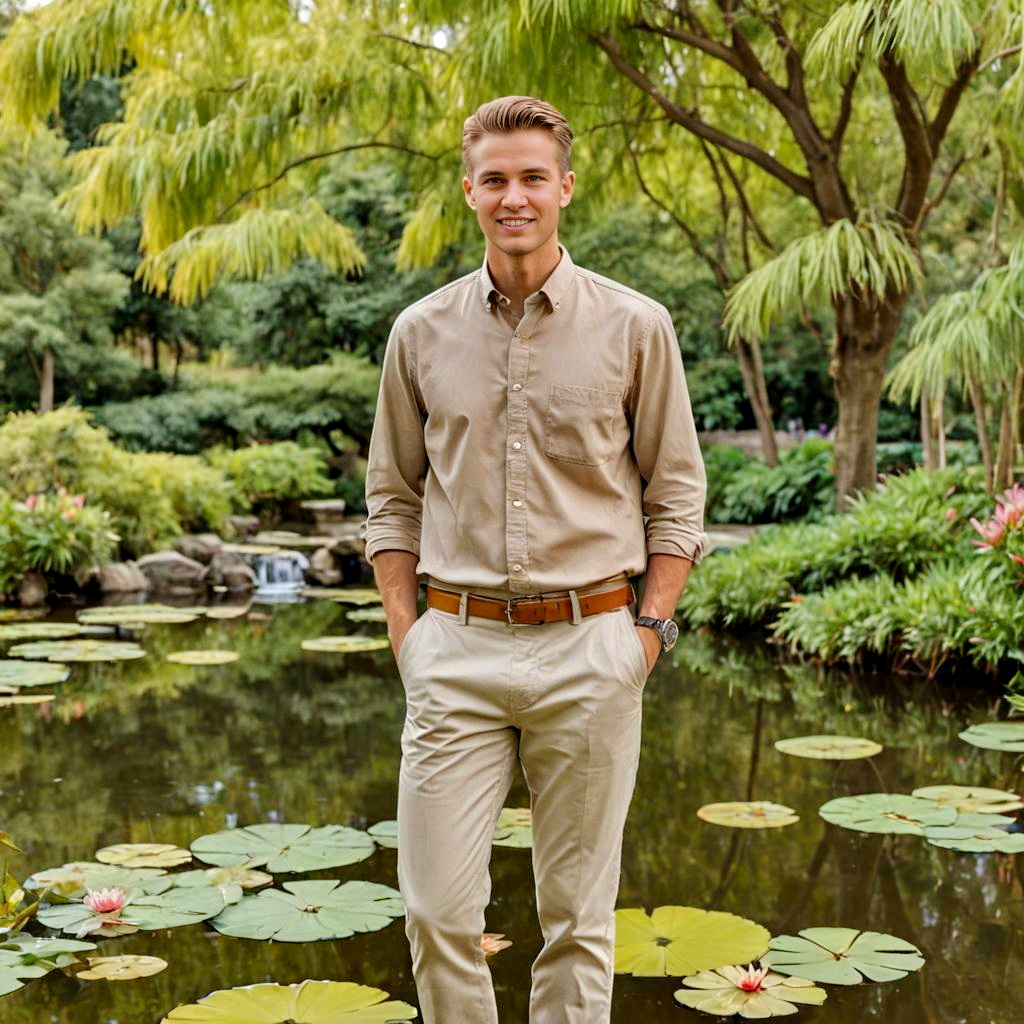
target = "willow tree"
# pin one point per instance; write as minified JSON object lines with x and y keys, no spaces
{"x":849,"y":109}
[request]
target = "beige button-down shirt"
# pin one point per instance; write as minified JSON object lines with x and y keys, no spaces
{"x":526,"y":458}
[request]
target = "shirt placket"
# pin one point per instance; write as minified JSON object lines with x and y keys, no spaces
{"x":516,"y":450}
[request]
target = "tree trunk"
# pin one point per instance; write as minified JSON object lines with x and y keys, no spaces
{"x":864,"y":338}
{"x":981,"y":425}
{"x":927,"y":430}
{"x":748,"y":354}
{"x":154,"y":349}
{"x":46,"y":383}
{"x":1004,"y":461}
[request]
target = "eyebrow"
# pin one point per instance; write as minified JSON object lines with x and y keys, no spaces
{"x":529,"y":170}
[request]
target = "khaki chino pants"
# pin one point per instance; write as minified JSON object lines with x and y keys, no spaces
{"x":564,"y":701}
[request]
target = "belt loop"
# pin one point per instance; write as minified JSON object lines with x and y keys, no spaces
{"x":464,"y":609}
{"x":574,"y":600}
{"x":508,"y":612}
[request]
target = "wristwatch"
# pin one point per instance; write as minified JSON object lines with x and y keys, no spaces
{"x":665,"y":628}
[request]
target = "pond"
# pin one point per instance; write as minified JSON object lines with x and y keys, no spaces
{"x":149,"y":751}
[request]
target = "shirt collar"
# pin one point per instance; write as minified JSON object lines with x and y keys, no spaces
{"x":553,"y":289}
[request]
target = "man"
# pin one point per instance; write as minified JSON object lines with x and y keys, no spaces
{"x":531,"y":415}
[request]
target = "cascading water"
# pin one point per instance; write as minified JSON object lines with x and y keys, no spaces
{"x":280,"y":576}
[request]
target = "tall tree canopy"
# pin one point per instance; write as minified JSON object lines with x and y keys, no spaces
{"x":848,"y":112}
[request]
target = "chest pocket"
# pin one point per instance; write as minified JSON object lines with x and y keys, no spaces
{"x":584,"y":425}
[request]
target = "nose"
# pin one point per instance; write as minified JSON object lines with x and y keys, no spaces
{"x":514,"y":197}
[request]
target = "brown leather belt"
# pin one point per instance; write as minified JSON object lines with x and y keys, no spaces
{"x":529,"y":611}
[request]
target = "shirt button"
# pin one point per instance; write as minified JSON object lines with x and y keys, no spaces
{"x":517,"y":387}
{"x":517,"y":567}
{"x":517,"y":503}
{"x":517,"y":445}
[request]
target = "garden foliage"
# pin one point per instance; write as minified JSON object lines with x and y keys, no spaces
{"x":896,"y":578}
{"x":277,"y":472}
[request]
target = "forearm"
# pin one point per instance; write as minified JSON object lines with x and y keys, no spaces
{"x":664,"y":581}
{"x":395,"y":572}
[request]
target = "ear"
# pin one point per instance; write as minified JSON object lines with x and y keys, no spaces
{"x":467,"y":188}
{"x":568,"y":184}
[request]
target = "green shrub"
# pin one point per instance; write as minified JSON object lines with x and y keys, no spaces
{"x":50,"y":533}
{"x":800,"y":486}
{"x":151,"y":497}
{"x":721,"y":463}
{"x":276,"y":472}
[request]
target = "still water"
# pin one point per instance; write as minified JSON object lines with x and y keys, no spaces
{"x":149,"y":751}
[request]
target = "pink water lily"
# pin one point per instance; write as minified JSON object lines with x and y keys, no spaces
{"x":493,"y":942}
{"x":752,"y":979}
{"x":108,"y":902}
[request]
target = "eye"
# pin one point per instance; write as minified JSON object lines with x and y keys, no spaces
{"x":493,"y":180}
{"x":534,"y":177}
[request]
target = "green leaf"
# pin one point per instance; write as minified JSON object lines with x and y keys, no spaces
{"x":514,"y":828}
{"x":24,"y":957}
{"x":127,"y":967}
{"x":214,"y":657}
{"x":78,"y":650}
{"x":975,"y":839}
{"x":38,"y":631}
{"x":891,"y":813}
{"x":146,"y":614}
{"x":842,"y":956}
{"x":344,"y":595}
{"x":829,"y":748}
{"x":75,"y":878}
{"x":309,"y":911}
{"x":748,"y":814}
{"x":367,"y":615}
{"x":1006,"y":736}
{"x":972,"y":799}
{"x":385,"y":833}
{"x":311,"y":1002}
{"x":285,"y":848}
{"x":32,"y":673}
{"x":345,"y":644}
{"x":720,"y":992}
{"x":143,"y":855}
{"x":683,"y":940}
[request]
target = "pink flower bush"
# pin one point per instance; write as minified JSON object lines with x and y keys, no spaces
{"x":1005,"y":530}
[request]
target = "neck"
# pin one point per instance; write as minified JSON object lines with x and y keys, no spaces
{"x":518,"y":277}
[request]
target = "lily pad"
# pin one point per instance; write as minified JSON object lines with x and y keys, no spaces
{"x":367,"y":615}
{"x":32,"y":673}
{"x":344,"y":595}
{"x":972,"y":799}
{"x":145,"y":614}
{"x":979,"y":839}
{"x":26,"y":698}
{"x":829,"y":748}
{"x":724,"y":992}
{"x":752,"y":814}
{"x":226,"y":611}
{"x":78,"y":650}
{"x":128,"y":967}
{"x":230,"y":880}
{"x":285,"y":848}
{"x":842,"y":956}
{"x":203,"y":657}
{"x":38,"y":631}
{"x":309,"y":911}
{"x":144,"y":855}
{"x":172,"y":907}
{"x":345,"y":644}
{"x":1006,"y":736}
{"x":514,"y":828}
{"x":311,"y":1002}
{"x":78,"y":876}
{"x":385,"y":833}
{"x":24,"y":957}
{"x":683,"y":940}
{"x":891,"y":813}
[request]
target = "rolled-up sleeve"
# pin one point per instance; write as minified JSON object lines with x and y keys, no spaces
{"x":397,"y":462}
{"x":665,"y":445}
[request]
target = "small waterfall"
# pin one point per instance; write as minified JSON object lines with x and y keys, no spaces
{"x":281,"y":575}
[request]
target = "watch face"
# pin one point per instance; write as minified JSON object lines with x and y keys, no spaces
{"x":669,"y":636}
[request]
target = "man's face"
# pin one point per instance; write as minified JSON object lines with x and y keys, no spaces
{"x":517,"y":189}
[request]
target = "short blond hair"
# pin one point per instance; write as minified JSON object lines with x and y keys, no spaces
{"x":514,"y":114}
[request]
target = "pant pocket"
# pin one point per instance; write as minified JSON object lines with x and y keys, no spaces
{"x":637,"y":652}
{"x":409,"y":642}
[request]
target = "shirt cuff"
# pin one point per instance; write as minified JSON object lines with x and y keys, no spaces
{"x":691,"y":544}
{"x":390,"y":540}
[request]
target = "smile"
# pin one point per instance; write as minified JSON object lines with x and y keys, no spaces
{"x":514,"y":222}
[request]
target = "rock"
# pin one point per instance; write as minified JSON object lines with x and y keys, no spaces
{"x":350,"y":537}
{"x":172,"y":573}
{"x":33,"y":590}
{"x":328,"y":514}
{"x":229,"y":569}
{"x":201,"y":547}
{"x":121,"y":578}
{"x":244,"y":526}
{"x":323,"y":569}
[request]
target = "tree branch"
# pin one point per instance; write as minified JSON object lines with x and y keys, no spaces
{"x":951,"y":100}
{"x":930,"y":204}
{"x":692,"y":122}
{"x":845,"y":111}
{"x":723,"y":199}
{"x":412,"y":42}
{"x":309,"y":158}
{"x":748,"y":211}
{"x":1002,"y":55}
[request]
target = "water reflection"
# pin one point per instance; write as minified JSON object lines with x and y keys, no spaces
{"x":150,"y":751}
